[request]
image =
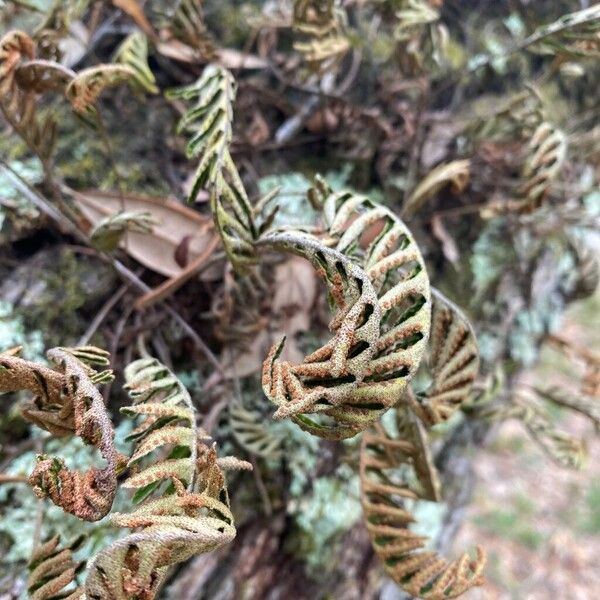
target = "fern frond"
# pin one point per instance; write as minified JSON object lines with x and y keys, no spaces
{"x":589,"y":407}
{"x":251,"y":433}
{"x":187,"y":24}
{"x":321,"y":25}
{"x":209,"y":122}
{"x":171,"y":529}
{"x":546,"y":153}
{"x":66,"y":402}
{"x":85,"y":88}
{"x":385,"y":494}
{"x":109,"y":232}
{"x":328,"y":381}
{"x":170,"y":420}
{"x":51,"y":569}
{"x":587,"y":271}
{"x":133,"y":53}
{"x":19,"y":105}
{"x":453,"y":362}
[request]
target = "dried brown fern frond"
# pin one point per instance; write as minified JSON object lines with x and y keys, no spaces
{"x":133,"y":53}
{"x":51,"y":569}
{"x":329,"y":380}
{"x":209,"y":122}
{"x":546,"y":152}
{"x":192,"y":516}
{"x":85,"y":88}
{"x":18,"y":104}
{"x":320,"y":24}
{"x":385,"y":496}
{"x":68,"y":402}
{"x":453,"y":362}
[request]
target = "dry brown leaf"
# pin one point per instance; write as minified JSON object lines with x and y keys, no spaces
{"x":227,"y":57}
{"x":136,"y":12}
{"x":455,"y":173}
{"x":156,"y":250}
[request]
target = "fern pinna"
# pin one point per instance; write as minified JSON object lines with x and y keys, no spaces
{"x":386,"y":492}
{"x":66,"y":401}
{"x":191,"y":516}
{"x":210,"y":123}
{"x":52,"y":568}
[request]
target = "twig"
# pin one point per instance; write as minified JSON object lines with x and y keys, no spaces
{"x":102,"y":314}
{"x":4,"y":478}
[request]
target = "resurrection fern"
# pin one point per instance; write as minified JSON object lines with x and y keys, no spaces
{"x":453,"y":362}
{"x":561,"y":447}
{"x":52,"y":568}
{"x":546,"y":153}
{"x":589,"y":407}
{"x":191,"y":516}
{"x":329,"y":380}
{"x":19,"y":105}
{"x":385,"y":494}
{"x":186,"y":23}
{"x":169,"y":420}
{"x":420,"y":35}
{"x":67,"y":401}
{"x":323,"y":40}
{"x":251,"y":433}
{"x":109,"y":232}
{"x":209,"y":122}
{"x":133,"y":53}
{"x":85,"y":88}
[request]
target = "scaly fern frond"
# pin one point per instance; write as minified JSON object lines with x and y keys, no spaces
{"x":328,"y":379}
{"x":453,"y":362}
{"x":251,"y":433}
{"x":18,"y":104}
{"x":209,"y":121}
{"x":66,"y":402}
{"x":546,"y":153}
{"x":170,"y":420}
{"x":85,"y":88}
{"x":52,"y":568}
{"x":133,"y":53}
{"x":385,"y":494}
{"x":171,"y":530}
{"x":321,"y":25}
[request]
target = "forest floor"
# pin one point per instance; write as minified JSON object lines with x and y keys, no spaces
{"x":539,"y":523}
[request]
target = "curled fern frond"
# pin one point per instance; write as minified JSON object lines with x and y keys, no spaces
{"x":109,"y":232}
{"x":209,"y":122}
{"x":251,"y":433}
{"x":68,"y":402}
{"x":85,"y":88}
{"x":589,"y":407}
{"x":385,"y":496}
{"x":40,"y":76}
{"x":376,"y":239}
{"x":321,"y":25}
{"x":19,"y":105}
{"x":329,"y":380}
{"x":169,"y":420}
{"x":190,"y":517}
{"x":133,"y":53}
{"x":546,"y":153}
{"x":51,"y":569}
{"x":453,"y":362}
